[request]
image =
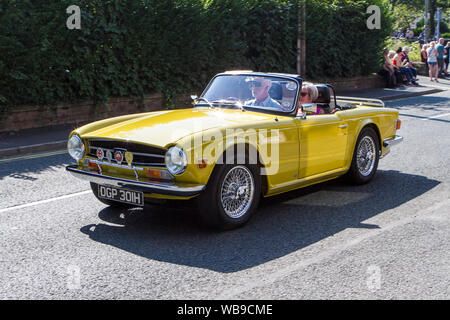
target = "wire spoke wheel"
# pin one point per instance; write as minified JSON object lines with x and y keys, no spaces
{"x":237,"y":192}
{"x":366,"y":156}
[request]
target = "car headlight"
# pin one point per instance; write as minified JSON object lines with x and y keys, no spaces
{"x":76,"y":148}
{"x":176,"y":160}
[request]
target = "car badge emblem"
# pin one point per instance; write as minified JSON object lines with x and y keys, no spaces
{"x":129,"y":158}
{"x":108,"y":155}
{"x":100,"y":154}
{"x":118,"y":156}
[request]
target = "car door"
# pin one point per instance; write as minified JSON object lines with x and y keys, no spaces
{"x":278,"y":147}
{"x":323,"y":143}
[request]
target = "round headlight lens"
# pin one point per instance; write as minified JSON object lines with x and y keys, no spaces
{"x":76,"y":148}
{"x":176,"y":160}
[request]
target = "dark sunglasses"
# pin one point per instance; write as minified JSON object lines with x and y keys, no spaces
{"x":303,"y":94}
{"x":253,"y":84}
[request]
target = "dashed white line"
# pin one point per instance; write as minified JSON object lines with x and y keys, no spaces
{"x":44,"y":201}
{"x":437,"y":116}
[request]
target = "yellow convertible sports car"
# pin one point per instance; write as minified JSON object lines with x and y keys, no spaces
{"x":249,"y":134}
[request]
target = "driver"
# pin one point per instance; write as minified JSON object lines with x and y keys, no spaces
{"x":260,"y":91}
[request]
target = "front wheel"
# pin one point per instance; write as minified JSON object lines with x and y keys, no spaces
{"x":365,"y":157}
{"x":231,"y":197}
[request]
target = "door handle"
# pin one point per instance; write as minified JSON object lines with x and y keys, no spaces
{"x":342,"y":126}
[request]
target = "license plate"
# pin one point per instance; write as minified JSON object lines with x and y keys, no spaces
{"x":121,"y":195}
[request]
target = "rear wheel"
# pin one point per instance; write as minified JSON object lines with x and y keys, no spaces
{"x":365,"y":157}
{"x":231,"y":196}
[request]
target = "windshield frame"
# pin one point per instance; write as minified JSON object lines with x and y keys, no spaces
{"x":297,"y":79}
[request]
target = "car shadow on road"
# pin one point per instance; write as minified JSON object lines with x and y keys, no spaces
{"x":282,"y":225}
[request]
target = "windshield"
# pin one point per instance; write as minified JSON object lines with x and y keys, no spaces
{"x":268,"y":93}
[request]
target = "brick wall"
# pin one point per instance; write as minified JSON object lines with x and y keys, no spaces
{"x":28,"y":117}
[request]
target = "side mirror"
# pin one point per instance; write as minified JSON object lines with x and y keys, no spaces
{"x":310,"y":108}
{"x":194,"y":99}
{"x":301,"y":114}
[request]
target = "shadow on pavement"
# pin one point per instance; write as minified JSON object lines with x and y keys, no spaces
{"x":282,"y":225}
{"x":430,"y":103}
{"x":27,"y":169}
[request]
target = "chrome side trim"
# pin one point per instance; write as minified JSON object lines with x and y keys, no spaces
{"x":159,"y":187}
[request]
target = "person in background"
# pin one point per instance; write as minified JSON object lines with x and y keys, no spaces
{"x":446,"y":55}
{"x":440,"y":57}
{"x":432,"y":61}
{"x":423,"y":53}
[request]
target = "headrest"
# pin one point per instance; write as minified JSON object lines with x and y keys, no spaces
{"x":324,"y":94}
{"x":276,"y":91}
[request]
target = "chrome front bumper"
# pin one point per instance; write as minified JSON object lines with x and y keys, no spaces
{"x":391,"y":142}
{"x":158,"y":187}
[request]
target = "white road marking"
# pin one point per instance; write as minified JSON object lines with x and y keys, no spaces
{"x":45,"y":201}
{"x":34,"y":156}
{"x":439,"y":116}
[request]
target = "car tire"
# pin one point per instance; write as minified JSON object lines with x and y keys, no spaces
{"x":94,"y":187}
{"x":231,"y":196}
{"x":365,"y":157}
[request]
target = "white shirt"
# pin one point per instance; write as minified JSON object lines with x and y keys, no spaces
{"x":431,"y":55}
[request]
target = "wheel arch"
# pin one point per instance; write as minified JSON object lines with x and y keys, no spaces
{"x":254,"y":157}
{"x":368,"y":123}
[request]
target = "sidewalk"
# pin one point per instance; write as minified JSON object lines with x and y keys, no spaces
{"x":55,"y":138}
{"x":425,"y":87}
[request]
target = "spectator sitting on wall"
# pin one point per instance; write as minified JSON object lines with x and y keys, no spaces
{"x":387,"y":70}
{"x":401,"y":64}
{"x":401,"y":76}
{"x":408,"y":64}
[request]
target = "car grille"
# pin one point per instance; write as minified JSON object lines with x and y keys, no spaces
{"x":143,"y":155}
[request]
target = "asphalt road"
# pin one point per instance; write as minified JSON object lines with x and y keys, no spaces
{"x":389,"y":239}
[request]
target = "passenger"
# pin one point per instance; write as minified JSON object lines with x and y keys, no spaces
{"x":260,"y":91}
{"x":309,"y":94}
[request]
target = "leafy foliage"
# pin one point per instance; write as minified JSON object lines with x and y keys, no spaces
{"x":134,"y":47}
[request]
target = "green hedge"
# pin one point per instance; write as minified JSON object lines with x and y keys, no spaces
{"x":131,"y":47}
